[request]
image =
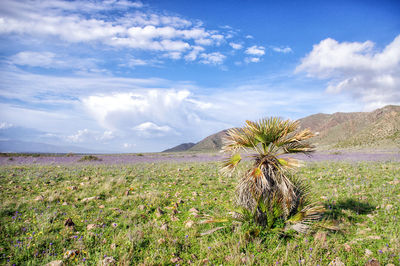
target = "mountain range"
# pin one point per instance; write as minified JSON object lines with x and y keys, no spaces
{"x":377,"y":129}
{"x":18,"y":146}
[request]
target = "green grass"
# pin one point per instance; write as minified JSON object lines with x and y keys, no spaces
{"x":362,"y":202}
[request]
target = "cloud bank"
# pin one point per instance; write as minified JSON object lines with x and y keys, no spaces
{"x":115,"y":24}
{"x":360,"y":69}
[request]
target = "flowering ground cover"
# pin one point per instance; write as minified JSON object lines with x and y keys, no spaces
{"x":113,"y":159}
{"x":160,"y":213}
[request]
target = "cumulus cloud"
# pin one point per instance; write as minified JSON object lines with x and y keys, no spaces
{"x":236,"y":46}
{"x":123,"y":111}
{"x":284,"y":50}
{"x":255,"y":50}
{"x":191,"y":56}
{"x":149,"y":129}
{"x":370,"y":75}
{"x":80,"y":22}
{"x":215,"y":58}
{"x":255,"y":53}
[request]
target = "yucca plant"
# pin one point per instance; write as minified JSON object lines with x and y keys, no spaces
{"x":268,"y":190}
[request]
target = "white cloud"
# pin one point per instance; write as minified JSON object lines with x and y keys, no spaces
{"x":284,"y":50}
{"x":28,"y":58}
{"x":90,"y":136}
{"x":133,"y":62}
{"x":173,"y":55}
{"x":128,"y":110}
{"x":368,"y":74}
{"x":80,"y":22}
{"x":87,"y":6}
{"x":252,"y":59}
{"x":194,"y":53}
{"x":80,"y":136}
{"x":204,"y":42}
{"x":236,"y":46}
{"x":61,"y":90}
{"x":128,"y":145}
{"x":149,"y":129}
{"x":52,"y":60}
{"x":215,"y":58}
{"x":255,"y":50}
{"x":107,"y":135}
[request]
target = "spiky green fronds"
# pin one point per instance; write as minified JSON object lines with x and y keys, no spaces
{"x":266,"y":190}
{"x":230,"y":164}
{"x":302,"y":220}
{"x":269,"y":136}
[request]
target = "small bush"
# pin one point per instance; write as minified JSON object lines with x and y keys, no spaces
{"x":88,"y":158}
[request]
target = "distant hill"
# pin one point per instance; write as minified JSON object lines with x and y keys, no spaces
{"x":211,"y":143}
{"x":376,"y":129}
{"x":181,"y":147}
{"x":12,"y":146}
{"x":379,"y":128}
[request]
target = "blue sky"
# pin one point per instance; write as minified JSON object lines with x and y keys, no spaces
{"x":126,"y":76}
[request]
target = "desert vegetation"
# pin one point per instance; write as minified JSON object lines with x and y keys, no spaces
{"x":270,"y":195}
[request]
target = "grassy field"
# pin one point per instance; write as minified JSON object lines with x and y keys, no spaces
{"x":154,"y":214}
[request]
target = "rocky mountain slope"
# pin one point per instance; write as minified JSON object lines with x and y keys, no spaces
{"x":181,"y":147}
{"x":379,"y":128}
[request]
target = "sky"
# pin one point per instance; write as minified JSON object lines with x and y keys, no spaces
{"x":143,"y":76}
